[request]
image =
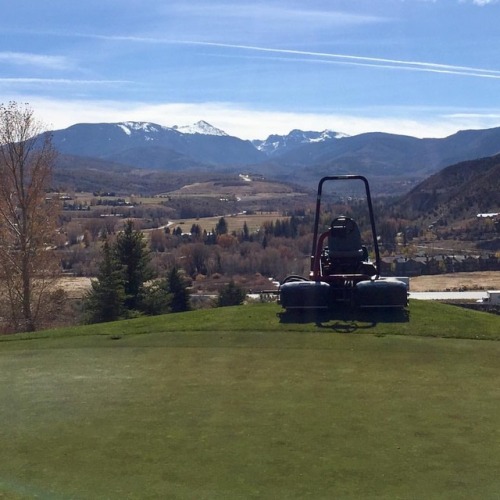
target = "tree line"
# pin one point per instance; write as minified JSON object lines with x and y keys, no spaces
{"x":122,"y":288}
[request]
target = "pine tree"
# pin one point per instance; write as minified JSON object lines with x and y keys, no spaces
{"x":105,"y":300}
{"x":131,"y":252}
{"x":221,"y":227}
{"x":196,"y":231}
{"x":231,"y":295}
{"x":157,"y":299}
{"x":246,"y":232}
{"x":177,"y":288}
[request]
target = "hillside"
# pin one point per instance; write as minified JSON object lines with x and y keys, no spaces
{"x":91,"y":174}
{"x":456,"y":192}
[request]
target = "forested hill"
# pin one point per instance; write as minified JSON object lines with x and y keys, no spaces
{"x":458,"y":191}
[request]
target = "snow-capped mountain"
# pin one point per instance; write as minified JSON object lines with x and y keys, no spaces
{"x":149,"y":145}
{"x":201,"y":127}
{"x":142,"y":127}
{"x":303,"y":153}
{"x":276,"y":145}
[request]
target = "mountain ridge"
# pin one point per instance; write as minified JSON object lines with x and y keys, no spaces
{"x":110,"y":141}
{"x":305,"y":155}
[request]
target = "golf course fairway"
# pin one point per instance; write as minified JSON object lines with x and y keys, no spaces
{"x":243,"y":402}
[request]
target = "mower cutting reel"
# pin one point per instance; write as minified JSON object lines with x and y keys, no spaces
{"x":341,"y":272}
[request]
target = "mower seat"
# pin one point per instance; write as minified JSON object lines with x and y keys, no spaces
{"x":344,"y":241}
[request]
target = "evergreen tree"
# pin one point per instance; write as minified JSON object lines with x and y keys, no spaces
{"x":196,"y":231}
{"x":157,"y":298}
{"x":231,"y":295}
{"x":221,"y":227}
{"x":294,"y":226}
{"x":246,"y":232}
{"x":178,"y":291}
{"x":105,"y":300}
{"x":131,"y":252}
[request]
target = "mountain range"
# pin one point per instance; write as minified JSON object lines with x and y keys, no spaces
{"x":152,"y":146}
{"x":304,"y":155}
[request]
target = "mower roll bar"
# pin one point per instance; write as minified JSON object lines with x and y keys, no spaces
{"x":370,"y":210}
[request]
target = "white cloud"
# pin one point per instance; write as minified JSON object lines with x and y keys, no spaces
{"x":481,"y":3}
{"x":39,"y":60}
{"x":58,"y":81}
{"x":264,"y":12}
{"x":484,"y":2}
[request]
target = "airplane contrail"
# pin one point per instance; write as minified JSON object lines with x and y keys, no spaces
{"x":367,"y":61}
{"x":380,"y":62}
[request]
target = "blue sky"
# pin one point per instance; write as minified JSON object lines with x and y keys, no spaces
{"x":426,"y":68}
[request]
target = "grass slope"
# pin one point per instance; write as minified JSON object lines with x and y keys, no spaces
{"x":424,"y":318}
{"x":242,"y":403}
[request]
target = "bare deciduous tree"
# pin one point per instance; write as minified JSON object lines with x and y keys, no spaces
{"x":28,"y":218}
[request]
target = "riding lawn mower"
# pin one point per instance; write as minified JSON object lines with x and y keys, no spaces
{"x":342,"y":274}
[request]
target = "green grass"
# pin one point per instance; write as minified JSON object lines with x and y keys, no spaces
{"x":242,"y":403}
{"x":424,"y":318}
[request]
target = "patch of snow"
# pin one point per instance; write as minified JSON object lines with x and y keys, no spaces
{"x":148,"y":127}
{"x":124,"y":128}
{"x":327,"y":135}
{"x":491,"y":215}
{"x":341,"y":135}
{"x":201,"y":127}
{"x":275,"y":143}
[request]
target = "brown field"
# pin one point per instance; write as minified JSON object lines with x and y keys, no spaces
{"x":234,"y":222}
{"x":231,"y":189}
{"x":237,"y":188}
{"x":75,"y":287}
{"x":480,"y":280}
{"x":89,"y":198}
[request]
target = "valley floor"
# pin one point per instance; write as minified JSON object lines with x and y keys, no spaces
{"x":76,"y":287}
